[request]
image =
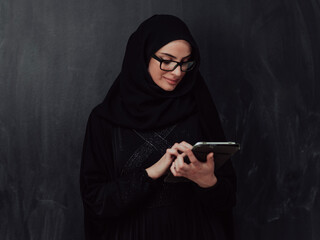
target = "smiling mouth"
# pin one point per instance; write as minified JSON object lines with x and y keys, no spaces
{"x":171,"y":81}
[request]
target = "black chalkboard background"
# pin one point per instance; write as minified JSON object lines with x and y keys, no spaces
{"x":261,"y":60}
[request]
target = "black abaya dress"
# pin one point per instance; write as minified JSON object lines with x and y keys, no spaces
{"x":121,"y":202}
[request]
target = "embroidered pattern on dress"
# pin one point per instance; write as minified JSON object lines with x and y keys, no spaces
{"x":153,"y":141}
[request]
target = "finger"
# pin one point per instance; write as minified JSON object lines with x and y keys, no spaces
{"x":181,"y":167}
{"x":192,"y":157}
{"x":172,"y":151}
{"x":180,"y":147}
{"x":185,"y":167}
{"x":173,"y":170}
{"x":180,"y":171}
{"x":185,"y":158}
{"x":186,"y":144}
{"x":179,"y":162}
{"x":210,"y":158}
{"x":175,"y":146}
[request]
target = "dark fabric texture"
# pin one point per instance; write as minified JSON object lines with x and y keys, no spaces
{"x":131,"y":130}
{"x":122,"y":202}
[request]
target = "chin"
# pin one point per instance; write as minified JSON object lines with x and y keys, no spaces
{"x":169,"y":88}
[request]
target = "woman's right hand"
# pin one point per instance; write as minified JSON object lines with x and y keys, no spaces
{"x":161,"y":166}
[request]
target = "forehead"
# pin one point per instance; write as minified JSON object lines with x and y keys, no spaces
{"x":176,"y":48}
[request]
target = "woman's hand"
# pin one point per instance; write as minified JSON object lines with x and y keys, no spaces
{"x":201,"y":173}
{"x":160,"y":167}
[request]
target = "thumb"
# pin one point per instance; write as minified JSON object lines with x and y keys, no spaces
{"x":210,"y":157}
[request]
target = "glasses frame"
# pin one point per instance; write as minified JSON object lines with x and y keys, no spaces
{"x":178,"y":63}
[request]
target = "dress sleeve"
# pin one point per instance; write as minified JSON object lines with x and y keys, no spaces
{"x":103,"y":194}
{"x":222,"y":196}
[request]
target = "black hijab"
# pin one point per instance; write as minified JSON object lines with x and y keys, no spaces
{"x":135,"y":101}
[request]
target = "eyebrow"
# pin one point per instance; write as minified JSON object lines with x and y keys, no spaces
{"x":169,"y":55}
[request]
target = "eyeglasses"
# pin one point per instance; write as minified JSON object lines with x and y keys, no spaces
{"x":168,"y":65}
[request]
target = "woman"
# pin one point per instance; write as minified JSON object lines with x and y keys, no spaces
{"x":158,"y":107}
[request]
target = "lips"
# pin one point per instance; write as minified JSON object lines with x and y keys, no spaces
{"x":171,"y":81}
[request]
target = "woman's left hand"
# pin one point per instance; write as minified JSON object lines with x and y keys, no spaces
{"x":201,"y":173}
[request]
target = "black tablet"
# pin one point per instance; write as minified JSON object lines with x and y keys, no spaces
{"x":222,"y":151}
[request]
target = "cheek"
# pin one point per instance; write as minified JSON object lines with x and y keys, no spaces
{"x":155,"y":73}
{"x":151,"y":69}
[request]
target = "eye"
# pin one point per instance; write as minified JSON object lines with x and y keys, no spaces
{"x":167,"y":62}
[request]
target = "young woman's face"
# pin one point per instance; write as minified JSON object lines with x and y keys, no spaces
{"x":178,"y":50}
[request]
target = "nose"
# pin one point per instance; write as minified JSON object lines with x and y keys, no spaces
{"x":177,"y":72}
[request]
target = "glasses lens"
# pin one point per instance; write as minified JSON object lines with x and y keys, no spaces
{"x":187,"y":66}
{"x":168,"y":65}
